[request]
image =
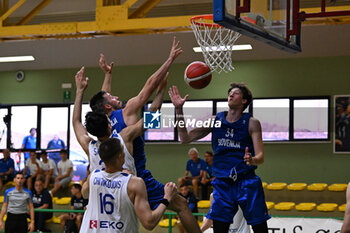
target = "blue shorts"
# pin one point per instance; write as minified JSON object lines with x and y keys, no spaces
{"x":155,"y":189}
{"x":247,"y":192}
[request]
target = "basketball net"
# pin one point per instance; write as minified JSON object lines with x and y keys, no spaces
{"x":215,"y":41}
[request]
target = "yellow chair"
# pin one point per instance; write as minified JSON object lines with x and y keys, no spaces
{"x":264,"y":184}
{"x":2,"y":199}
{"x":63,"y":201}
{"x":200,"y":223}
{"x":11,"y":183}
{"x":49,"y":220}
{"x":337,"y":187}
{"x":165,"y":222}
{"x":54,"y":199}
{"x":284,"y":206}
{"x":317,"y":187}
{"x":296,"y":186}
{"x":269,"y":204}
{"x":276,"y":186}
{"x":327,"y":207}
{"x":204,"y":204}
{"x":56,"y":219}
{"x":342,"y":207}
{"x":305,"y":206}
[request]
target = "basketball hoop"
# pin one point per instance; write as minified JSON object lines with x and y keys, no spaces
{"x":215,"y":41}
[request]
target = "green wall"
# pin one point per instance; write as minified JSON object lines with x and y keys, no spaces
{"x":289,"y":162}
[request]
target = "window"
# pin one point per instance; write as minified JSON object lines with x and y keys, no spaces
{"x":273,"y":115}
{"x":3,"y":128}
{"x":197,"y":111}
{"x":222,"y":106}
{"x":75,"y":147}
{"x":166,"y":132}
{"x":23,"y":119}
{"x":54,"y":125}
{"x":76,"y":153}
{"x":317,"y":113}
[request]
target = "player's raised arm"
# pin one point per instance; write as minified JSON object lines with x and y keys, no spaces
{"x":185,"y":136}
{"x":158,"y":99}
{"x":133,"y":131}
{"x":136,"y":103}
{"x":79,"y":130}
{"x":137,"y":192}
{"x":107,"y":69}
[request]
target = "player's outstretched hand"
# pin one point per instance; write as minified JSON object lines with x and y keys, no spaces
{"x":170,"y":191}
{"x":248,"y":158}
{"x":80,"y":80}
{"x":176,"y":50}
{"x":176,"y":98}
{"x":104,"y":66}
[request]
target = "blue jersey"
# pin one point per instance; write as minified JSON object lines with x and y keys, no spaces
{"x":29,"y":142}
{"x":5,"y":165}
{"x":118,"y":124}
{"x":229,"y":143}
{"x":195,"y":168}
{"x":208,"y":168}
{"x":59,"y":144}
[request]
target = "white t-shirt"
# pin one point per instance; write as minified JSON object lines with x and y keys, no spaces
{"x":112,"y":210}
{"x":32,"y":166}
{"x":64,"y":166}
{"x":50,"y":165}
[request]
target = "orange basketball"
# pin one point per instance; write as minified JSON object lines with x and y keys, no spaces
{"x":197,"y":75}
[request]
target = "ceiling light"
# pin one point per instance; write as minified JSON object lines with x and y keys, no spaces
{"x":17,"y":58}
{"x":224,"y":48}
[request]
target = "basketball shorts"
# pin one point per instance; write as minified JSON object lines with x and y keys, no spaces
{"x":155,"y":189}
{"x":246,"y":191}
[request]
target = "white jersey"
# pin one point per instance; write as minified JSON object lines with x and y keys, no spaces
{"x":97,"y":163}
{"x":110,"y":208}
{"x":95,"y":160}
{"x":239,"y":224}
{"x":129,"y":163}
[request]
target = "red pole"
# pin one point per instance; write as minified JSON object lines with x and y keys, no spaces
{"x":323,"y":5}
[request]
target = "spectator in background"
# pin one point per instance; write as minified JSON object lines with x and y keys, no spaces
{"x":207,"y":176}
{"x":55,"y":143}
{"x":49,"y":170}
{"x":41,"y":200}
{"x":29,"y":142}
{"x":65,"y":172}
{"x":77,"y":203}
{"x":35,"y":172}
{"x":194,"y":165}
{"x":192,"y":201}
{"x":7,"y":168}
